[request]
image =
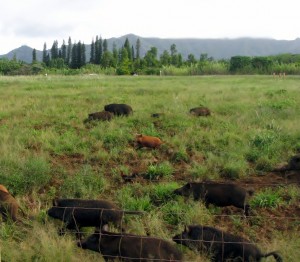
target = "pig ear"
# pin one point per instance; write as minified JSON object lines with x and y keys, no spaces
{"x":186,"y":229}
{"x":105,"y":227}
{"x":189,"y":185}
{"x":54,"y":202}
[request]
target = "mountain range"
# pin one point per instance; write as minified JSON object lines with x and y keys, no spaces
{"x":216,"y":48}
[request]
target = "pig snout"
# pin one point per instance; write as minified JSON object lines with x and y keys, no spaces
{"x":81,"y":244}
{"x":177,"y":192}
{"x":178,"y":238}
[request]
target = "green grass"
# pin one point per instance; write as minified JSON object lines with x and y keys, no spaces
{"x":48,"y":151}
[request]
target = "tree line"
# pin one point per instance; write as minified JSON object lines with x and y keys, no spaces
{"x":71,"y":58}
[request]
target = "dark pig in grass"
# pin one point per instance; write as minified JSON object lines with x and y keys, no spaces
{"x":221,"y":246}
{"x":101,"y":116}
{"x":157,"y":115}
{"x":218,"y":194}
{"x":294,"y":163}
{"x":200,"y":111}
{"x":119,"y":109}
{"x":128,"y":247}
{"x":77,"y":213}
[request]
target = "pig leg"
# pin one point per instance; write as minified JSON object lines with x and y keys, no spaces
{"x":72,"y":225}
{"x":247,"y":209}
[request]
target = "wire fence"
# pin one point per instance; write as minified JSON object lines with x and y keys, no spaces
{"x":124,"y":246}
{"x":136,"y":212}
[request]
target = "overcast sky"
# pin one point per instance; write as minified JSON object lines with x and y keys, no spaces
{"x":34,"y":22}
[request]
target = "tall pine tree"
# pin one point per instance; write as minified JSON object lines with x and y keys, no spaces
{"x":99,"y":59}
{"x":69,"y":51}
{"x":128,"y":49}
{"x":92,"y":56}
{"x":97,"y":51}
{"x":45,"y":53}
{"x":54,"y":50}
{"x":64,"y":51}
{"x":138,"y":48}
{"x":33,"y":56}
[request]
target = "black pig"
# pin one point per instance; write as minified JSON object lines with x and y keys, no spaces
{"x":130,"y":247}
{"x":221,"y":245}
{"x":119,"y":109}
{"x":77,"y":213}
{"x":219,"y":194}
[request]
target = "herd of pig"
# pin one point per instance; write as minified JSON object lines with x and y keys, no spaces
{"x":78,"y":213}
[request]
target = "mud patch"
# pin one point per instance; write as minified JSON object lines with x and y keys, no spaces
{"x":71,"y":163}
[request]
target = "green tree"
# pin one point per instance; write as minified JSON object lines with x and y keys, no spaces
{"x":165,"y":58}
{"x":128,"y":49}
{"x":98,"y":50}
{"x":82,"y":55}
{"x":115,"y":54}
{"x":45,"y":53}
{"x":174,"y":57}
{"x":64,"y":51}
{"x":203,"y":57}
{"x":58,"y":63}
{"x":138,"y":48}
{"x":151,"y":57}
{"x":124,"y":66}
{"x":9,"y":66}
{"x":69,"y":51}
{"x":54,"y":50}
{"x":262,"y":64}
{"x":34,"y":56}
{"x":191,"y":60}
{"x":92,"y":55}
{"x":239,"y":64}
{"x":107,"y":59}
{"x":105,"y":46}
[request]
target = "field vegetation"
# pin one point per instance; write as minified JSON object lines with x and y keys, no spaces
{"x":48,"y":150}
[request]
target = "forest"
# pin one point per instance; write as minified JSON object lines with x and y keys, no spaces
{"x":72,"y":59}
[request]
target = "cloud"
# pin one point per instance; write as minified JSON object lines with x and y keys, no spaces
{"x":30,"y":21}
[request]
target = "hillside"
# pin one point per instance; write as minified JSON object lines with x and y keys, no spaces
{"x":216,"y":48}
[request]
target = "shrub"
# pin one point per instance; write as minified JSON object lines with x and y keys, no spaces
{"x":180,"y":156}
{"x":87,"y":183}
{"x":268,"y":198}
{"x":25,"y":176}
{"x":162,"y":193}
{"x":156,"y":171}
{"x":199,"y":171}
{"x":130,"y":199}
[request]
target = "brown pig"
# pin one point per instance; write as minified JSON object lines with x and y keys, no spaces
{"x":148,"y":141}
{"x":8,"y":205}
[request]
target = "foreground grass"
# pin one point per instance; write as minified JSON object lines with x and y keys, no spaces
{"x":47,"y":151}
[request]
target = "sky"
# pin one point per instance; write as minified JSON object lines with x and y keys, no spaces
{"x":35,"y":22}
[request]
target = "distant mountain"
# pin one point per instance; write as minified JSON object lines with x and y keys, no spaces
{"x":216,"y":48}
{"x":23,"y":53}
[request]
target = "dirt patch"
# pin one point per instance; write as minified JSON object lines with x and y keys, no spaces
{"x":273,"y":179}
{"x":71,"y":162}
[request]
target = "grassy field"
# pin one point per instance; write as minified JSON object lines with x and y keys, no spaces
{"x":48,"y":150}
